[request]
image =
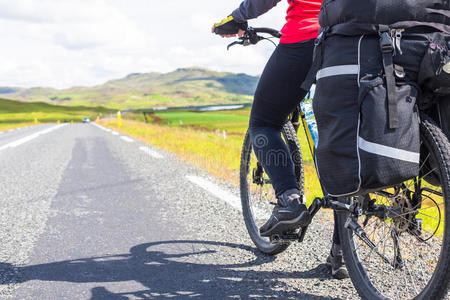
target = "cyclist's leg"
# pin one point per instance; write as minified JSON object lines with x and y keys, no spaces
{"x":277,"y":95}
{"x":336,"y":260}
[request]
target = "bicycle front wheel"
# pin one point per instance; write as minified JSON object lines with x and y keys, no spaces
{"x":410,"y":254}
{"x":257,"y":194}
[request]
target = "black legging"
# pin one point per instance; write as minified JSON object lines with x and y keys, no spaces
{"x":277,"y":95}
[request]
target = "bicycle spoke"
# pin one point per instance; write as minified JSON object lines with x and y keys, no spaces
{"x":420,"y":213}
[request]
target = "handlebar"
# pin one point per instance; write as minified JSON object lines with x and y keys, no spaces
{"x":275,"y":33}
{"x":251,"y":36}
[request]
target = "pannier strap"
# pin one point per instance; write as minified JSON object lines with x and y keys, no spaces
{"x":317,"y":62}
{"x":387,"y":50}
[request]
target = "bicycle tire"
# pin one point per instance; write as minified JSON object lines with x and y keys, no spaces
{"x":290,"y":137}
{"x":438,"y":284}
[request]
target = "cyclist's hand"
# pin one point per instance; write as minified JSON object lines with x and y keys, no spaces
{"x":228,"y":27}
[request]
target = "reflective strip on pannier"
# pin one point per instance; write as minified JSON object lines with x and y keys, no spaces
{"x":337,"y":70}
{"x":388,"y":151}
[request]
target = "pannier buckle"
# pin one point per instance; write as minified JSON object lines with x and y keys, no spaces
{"x":321,"y":36}
{"x":386,"y":43}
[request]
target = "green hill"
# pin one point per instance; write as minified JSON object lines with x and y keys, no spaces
{"x":189,"y":86}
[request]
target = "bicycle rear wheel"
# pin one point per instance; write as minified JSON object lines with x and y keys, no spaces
{"x":257,"y":194}
{"x":412,"y":253}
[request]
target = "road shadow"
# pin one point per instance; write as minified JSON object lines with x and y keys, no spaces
{"x":173,"y":269}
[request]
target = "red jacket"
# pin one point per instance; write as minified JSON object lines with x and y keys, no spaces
{"x":302,"y":17}
{"x":302,"y":21}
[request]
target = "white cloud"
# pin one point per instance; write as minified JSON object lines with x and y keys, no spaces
{"x":62,"y":43}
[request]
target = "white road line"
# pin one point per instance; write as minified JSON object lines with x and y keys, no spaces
{"x":216,"y":191}
{"x":101,"y":127}
{"x":151,"y":152}
{"x":127,"y":139}
{"x":231,"y":199}
{"x":30,"y":137}
{"x":98,"y":126}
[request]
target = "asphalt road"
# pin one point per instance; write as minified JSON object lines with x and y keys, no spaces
{"x":87,"y":213}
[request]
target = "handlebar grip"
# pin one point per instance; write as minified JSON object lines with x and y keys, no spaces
{"x":273,"y":32}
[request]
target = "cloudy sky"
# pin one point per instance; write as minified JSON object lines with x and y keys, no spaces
{"x":63,"y":43}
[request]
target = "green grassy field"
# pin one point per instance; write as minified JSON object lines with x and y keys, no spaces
{"x":230,"y":122}
{"x":16,"y":114}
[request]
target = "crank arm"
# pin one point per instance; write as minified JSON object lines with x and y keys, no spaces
{"x":328,"y":202}
{"x":285,"y":238}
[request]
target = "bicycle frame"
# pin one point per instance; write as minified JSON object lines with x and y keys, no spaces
{"x":299,"y":115}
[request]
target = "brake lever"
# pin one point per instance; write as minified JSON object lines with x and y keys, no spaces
{"x":234,"y":44}
{"x":246,"y":40}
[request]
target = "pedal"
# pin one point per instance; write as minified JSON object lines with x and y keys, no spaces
{"x":285,"y":238}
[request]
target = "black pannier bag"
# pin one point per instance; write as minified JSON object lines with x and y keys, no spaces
{"x":367,"y":139}
{"x":434,"y":75}
{"x":389,"y":12}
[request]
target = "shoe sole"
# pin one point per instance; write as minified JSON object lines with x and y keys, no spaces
{"x":340,"y":273}
{"x":285,"y":226}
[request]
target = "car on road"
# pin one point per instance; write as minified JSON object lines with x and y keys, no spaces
{"x":86,"y":120}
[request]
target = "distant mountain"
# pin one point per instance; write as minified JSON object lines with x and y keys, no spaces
{"x":187,"y":86}
{"x":9,"y":90}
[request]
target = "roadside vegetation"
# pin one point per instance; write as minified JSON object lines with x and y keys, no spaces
{"x":210,"y":140}
{"x":14,"y":114}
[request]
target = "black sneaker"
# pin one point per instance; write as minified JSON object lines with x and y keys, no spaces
{"x":286,"y":219}
{"x":335,"y":261}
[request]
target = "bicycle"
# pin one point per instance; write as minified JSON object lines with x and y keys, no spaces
{"x":396,"y":241}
